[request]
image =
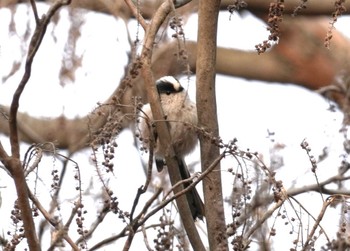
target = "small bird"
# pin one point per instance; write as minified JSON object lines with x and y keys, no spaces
{"x":181,"y":115}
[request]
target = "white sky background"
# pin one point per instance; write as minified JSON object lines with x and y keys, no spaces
{"x":247,"y":109}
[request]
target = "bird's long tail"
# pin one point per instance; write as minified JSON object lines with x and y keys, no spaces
{"x":193,"y":198}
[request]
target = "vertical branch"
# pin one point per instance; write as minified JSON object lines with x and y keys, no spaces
{"x":161,"y":126}
{"x":14,"y":163}
{"x":33,"y":48}
{"x":206,"y":106}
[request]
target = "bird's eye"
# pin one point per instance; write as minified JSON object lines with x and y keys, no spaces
{"x":168,"y":93}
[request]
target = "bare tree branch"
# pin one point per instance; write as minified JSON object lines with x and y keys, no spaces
{"x":258,"y":7}
{"x":206,"y":107}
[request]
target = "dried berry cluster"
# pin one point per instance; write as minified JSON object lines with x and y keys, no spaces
{"x":55,"y":179}
{"x":339,"y":9}
{"x":106,"y":139}
{"x":111,"y":204}
{"x":165,"y":236}
{"x":79,"y":220}
{"x":108,"y":154}
{"x":18,"y":233}
{"x":134,"y":71}
{"x":274,"y":18}
{"x":236,"y":6}
{"x":249,"y":203}
{"x":304,"y":145}
{"x":241,"y":194}
{"x":240,"y":197}
{"x":176,"y":24}
{"x":105,"y":136}
{"x":287,"y":220}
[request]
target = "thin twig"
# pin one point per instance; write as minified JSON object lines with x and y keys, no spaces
{"x":325,"y":205}
{"x":136,"y":12}
{"x":145,"y":239}
{"x":143,"y":188}
{"x":301,"y":205}
{"x":99,"y":219}
{"x":35,"y":11}
{"x":137,"y":223}
{"x":266,"y":216}
{"x":49,"y":219}
{"x":109,"y":239}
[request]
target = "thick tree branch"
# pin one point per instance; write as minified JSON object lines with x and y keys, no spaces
{"x":206,"y":107}
{"x":258,"y":7}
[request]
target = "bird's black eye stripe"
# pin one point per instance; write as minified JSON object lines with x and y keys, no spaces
{"x":168,"y":87}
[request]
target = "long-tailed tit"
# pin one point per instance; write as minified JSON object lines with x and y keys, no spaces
{"x":181,"y":116}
